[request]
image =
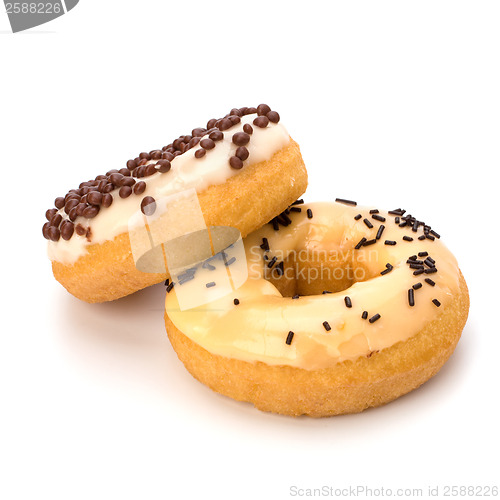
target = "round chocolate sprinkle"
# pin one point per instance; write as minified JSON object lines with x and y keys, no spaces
{"x":235,"y":162}
{"x":216,"y":135}
{"x":207,"y":144}
{"x":273,"y":116}
{"x":140,"y":187}
{"x":50,"y":213}
{"x":90,"y":211}
{"x":149,"y":170}
{"x":263,"y":109}
{"x":94,"y":198}
{"x":125,"y":191}
{"x":53,"y":233}
{"x":261,"y":121}
{"x":200,"y":153}
{"x":224,"y":124}
{"x":131,"y":164}
{"x":242,"y":153}
{"x":248,"y":129}
{"x":72,"y":203}
{"x":107,"y":200}
{"x":67,"y":229}
{"x":236,"y":302}
{"x":163,"y":166}
{"x":197,"y":132}
{"x":148,"y":205}
{"x":128,"y":181}
{"x":241,"y":138}
{"x":116,"y":179}
{"x":59,"y":202}
{"x":80,"y":230}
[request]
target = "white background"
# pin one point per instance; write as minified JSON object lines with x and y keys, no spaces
{"x":393,"y":104}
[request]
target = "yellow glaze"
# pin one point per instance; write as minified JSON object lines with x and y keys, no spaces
{"x":256,"y":329}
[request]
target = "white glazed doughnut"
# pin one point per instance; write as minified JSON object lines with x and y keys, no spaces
{"x":244,"y":169}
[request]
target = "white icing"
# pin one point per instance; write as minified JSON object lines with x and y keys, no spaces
{"x":187,"y":172}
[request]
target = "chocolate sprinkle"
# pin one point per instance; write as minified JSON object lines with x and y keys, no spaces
{"x":365,"y":314}
{"x":148,"y":205}
{"x":389,"y":242}
{"x":436,"y":302}
{"x":411,"y":297}
{"x":374,"y":318}
{"x":289,"y":338}
{"x":429,"y":281}
{"x":368,"y":223}
{"x":309,"y":213}
{"x":347,"y":301}
{"x":345,"y":202}
{"x":388,"y":269}
{"x":236,"y":302}
{"x":380,"y":231}
{"x":210,"y":285}
{"x":360,"y":243}
{"x":235,"y":162}
{"x":327,"y":326}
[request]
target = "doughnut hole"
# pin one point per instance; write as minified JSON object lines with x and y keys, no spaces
{"x":311,"y":273}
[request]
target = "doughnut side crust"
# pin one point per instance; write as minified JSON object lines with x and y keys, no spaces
{"x":347,"y":387}
{"x":245,"y":201}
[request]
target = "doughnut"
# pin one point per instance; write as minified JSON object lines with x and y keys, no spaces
{"x":344,"y":308}
{"x":244,"y":169}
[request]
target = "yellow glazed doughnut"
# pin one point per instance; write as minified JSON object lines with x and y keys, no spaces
{"x":244,"y":169}
{"x":344,"y":308}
